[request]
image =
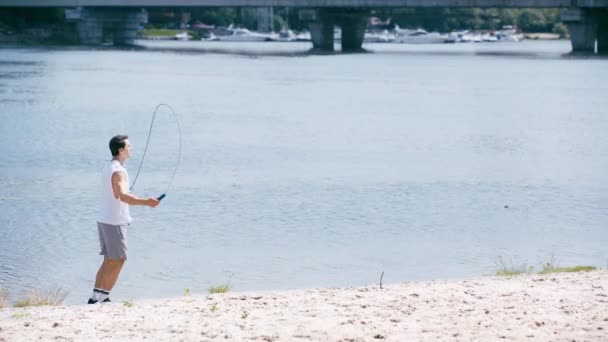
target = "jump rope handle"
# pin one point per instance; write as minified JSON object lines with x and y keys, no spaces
{"x":161,"y":197}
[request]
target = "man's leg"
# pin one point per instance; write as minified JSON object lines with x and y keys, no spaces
{"x":100,"y":274}
{"x":112,"y":270}
{"x":106,"y":278}
{"x":114,"y":250}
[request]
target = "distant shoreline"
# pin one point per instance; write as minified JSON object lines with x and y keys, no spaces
{"x":63,"y":35}
{"x":531,"y":307}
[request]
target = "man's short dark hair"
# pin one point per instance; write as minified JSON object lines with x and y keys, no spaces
{"x":116,"y":143}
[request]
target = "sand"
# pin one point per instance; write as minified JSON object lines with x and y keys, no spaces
{"x":555,"y":307}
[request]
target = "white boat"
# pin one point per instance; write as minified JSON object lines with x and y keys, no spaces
{"x":244,"y":35}
{"x":287,"y":35}
{"x":303,"y":36}
{"x":455,"y":36}
{"x":471,"y":38}
{"x":509,"y":34}
{"x":489,"y":38}
{"x":418,"y":36}
{"x":183,"y":36}
{"x":378,"y":37}
{"x":210,"y":37}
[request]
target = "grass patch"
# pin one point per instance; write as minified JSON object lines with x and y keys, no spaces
{"x":161,"y":32}
{"x":221,"y":288}
{"x":3,"y":298}
{"x":53,"y":296}
{"x":511,"y":267}
{"x":551,"y":269}
{"x":127,"y":303}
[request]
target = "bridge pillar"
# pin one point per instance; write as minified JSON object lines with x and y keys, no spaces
{"x":583,"y":28}
{"x":94,"y":23}
{"x":353,"y":26}
{"x":126,"y":25}
{"x":321,"y":24}
{"x":322,"y":21}
{"x":89,"y":25}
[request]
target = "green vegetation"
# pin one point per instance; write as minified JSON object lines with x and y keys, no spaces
{"x":244,"y":315}
{"x":160,"y":32}
{"x":127,"y":303}
{"x":512,"y":267}
{"x":222,"y":16}
{"x":509,"y":272}
{"x":219,"y":289}
{"x":187,"y":292}
{"x":560,"y":29}
{"x":23,"y":17}
{"x":165,"y":22}
{"x":53,"y":296}
{"x":450,"y":19}
{"x":548,"y":268}
{"x":436,"y":19}
{"x":213,"y":308}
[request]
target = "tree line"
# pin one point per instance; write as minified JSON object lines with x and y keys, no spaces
{"x":432,"y":19}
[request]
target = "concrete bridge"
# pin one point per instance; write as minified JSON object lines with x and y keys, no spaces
{"x":587,"y":20}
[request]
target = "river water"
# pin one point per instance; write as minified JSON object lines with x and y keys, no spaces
{"x":301,"y":170}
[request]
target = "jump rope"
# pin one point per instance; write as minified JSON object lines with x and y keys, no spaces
{"x":179,"y":153}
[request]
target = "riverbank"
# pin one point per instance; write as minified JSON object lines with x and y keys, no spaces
{"x":563,"y":306}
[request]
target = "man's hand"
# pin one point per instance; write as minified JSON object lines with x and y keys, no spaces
{"x":152,"y":202}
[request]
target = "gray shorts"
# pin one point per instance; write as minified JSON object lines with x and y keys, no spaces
{"x":113,"y":241}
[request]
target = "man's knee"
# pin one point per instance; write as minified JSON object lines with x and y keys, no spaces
{"x":114,"y":262}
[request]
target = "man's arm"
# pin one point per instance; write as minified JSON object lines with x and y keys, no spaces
{"x":121,"y":192}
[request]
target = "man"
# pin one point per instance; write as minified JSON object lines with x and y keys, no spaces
{"x":114,"y":218}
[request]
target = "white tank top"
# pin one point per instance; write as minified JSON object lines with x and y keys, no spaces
{"x":113,"y":211}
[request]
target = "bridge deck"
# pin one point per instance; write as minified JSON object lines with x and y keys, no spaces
{"x":307,"y":3}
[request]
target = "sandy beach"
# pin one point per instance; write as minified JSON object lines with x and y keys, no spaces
{"x":553,"y":307}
